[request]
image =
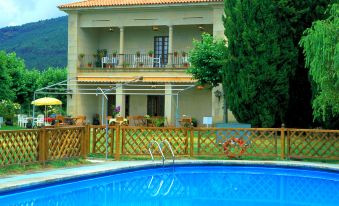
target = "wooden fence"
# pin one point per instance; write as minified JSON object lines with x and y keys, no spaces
{"x":41,"y":145}
{"x":279,"y":143}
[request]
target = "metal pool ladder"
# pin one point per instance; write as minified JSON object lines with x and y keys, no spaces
{"x":160,"y":150}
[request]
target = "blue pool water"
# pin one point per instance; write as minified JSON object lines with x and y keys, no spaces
{"x":188,"y":185}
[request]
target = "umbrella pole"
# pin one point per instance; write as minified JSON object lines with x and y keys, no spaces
{"x":45,"y":114}
{"x":33,"y":111}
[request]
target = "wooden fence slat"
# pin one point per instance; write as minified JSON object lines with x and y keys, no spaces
{"x":117,"y":144}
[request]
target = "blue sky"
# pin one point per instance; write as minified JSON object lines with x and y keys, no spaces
{"x":18,"y":12}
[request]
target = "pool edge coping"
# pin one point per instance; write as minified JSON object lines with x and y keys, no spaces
{"x":17,"y":182}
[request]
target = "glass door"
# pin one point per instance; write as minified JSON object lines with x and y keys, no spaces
{"x":161,"y":49}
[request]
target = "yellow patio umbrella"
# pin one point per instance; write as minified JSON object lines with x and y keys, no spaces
{"x":46,"y":101}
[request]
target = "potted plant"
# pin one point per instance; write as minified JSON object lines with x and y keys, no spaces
{"x":175,"y":53}
{"x":81,"y":57}
{"x":89,"y":64}
{"x":138,"y":53}
{"x":114,"y":53}
{"x":150,"y":53}
{"x":183,"y":54}
{"x":125,"y":64}
{"x":116,"y":110}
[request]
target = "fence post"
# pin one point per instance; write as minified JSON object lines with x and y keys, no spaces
{"x":282,"y":141}
{"x":41,"y":152}
{"x":88,"y":139}
{"x":84,"y":142}
{"x":191,"y":142}
{"x":117,"y":143}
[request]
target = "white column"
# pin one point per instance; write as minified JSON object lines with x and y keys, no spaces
{"x":120,"y":99}
{"x":121,"y":48}
{"x":170,"y":46}
{"x":169,"y":109}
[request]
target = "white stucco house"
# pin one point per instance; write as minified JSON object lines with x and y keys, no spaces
{"x":112,"y":42}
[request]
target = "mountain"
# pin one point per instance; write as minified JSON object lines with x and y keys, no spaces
{"x":41,"y":44}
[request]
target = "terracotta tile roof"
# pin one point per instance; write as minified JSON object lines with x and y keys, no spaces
{"x":111,"y":3}
{"x":145,"y":79}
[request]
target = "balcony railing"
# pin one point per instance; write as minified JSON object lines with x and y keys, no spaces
{"x":134,"y":61}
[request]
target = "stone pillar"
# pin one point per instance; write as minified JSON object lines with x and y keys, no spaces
{"x":170,"y":46}
{"x":218,"y":26}
{"x":120,"y":99}
{"x":169,"y":106}
{"x":121,"y":48}
{"x":73,"y":60}
{"x":218,"y":104}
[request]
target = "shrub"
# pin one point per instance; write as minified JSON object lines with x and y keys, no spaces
{"x":8,"y":109}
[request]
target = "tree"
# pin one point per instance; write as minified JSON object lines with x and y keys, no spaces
{"x":5,"y":79}
{"x":257,"y":70}
{"x":296,"y":16}
{"x":52,"y":76}
{"x":321,"y":48}
{"x":265,"y":79}
{"x":29,"y":85}
{"x":207,"y":58}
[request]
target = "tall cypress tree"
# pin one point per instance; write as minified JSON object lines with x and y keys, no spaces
{"x":266,"y":83}
{"x":256,"y":74}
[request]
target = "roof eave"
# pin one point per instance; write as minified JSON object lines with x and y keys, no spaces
{"x":65,"y":9}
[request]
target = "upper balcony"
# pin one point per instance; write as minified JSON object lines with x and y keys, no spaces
{"x":135,"y":49}
{"x":104,"y":61}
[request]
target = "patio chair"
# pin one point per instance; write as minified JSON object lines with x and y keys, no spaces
{"x":108,"y":60}
{"x":60,"y":120}
{"x":19,"y":120}
{"x":185,"y":61}
{"x":185,"y":122}
{"x":80,"y":120}
{"x":138,"y":121}
{"x":157,"y":61}
{"x":109,"y":120}
{"x":40,"y":120}
{"x":120,"y":121}
{"x":115,"y":61}
{"x":24,"y":120}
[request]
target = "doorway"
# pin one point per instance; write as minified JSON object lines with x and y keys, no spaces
{"x":155,"y":105}
{"x":161,"y":49}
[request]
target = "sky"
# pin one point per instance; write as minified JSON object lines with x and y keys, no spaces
{"x":18,"y":12}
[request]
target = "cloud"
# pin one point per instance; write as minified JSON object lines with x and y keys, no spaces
{"x":17,"y":12}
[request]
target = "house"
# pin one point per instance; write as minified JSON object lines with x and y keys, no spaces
{"x":112,"y":43}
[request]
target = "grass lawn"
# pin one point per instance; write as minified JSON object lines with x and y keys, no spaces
{"x":15,"y":127}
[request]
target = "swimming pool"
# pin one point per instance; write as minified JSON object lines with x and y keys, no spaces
{"x":189,"y":185}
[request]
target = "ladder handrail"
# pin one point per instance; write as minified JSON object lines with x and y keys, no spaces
{"x":170,"y":147}
{"x":159,"y":147}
